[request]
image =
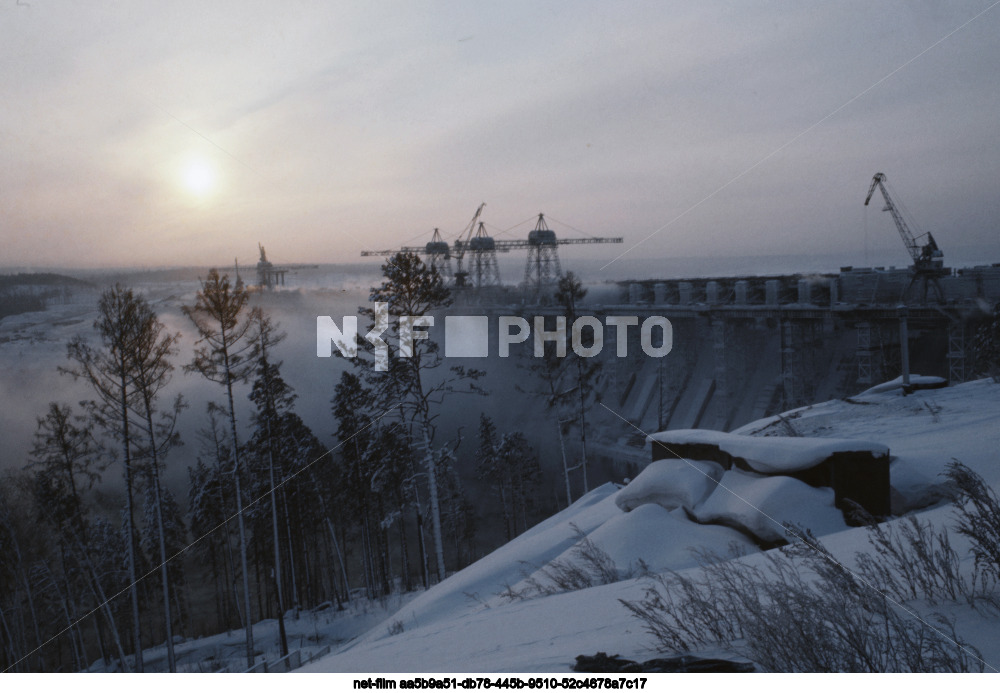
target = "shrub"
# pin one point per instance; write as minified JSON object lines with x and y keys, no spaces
{"x":799,"y":609}
{"x":977,"y":510}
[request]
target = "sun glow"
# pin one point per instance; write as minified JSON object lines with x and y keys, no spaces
{"x":199,"y":177}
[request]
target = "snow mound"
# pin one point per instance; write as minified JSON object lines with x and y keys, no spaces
{"x":650,"y":534}
{"x":670,"y":484}
{"x":769,"y":455}
{"x":761,"y":504}
{"x":663,"y":540}
{"x":917,"y":382}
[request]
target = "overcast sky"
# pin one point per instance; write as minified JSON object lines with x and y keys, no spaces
{"x":155,"y":133}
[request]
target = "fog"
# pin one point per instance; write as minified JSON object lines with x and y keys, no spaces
{"x":33,"y":347}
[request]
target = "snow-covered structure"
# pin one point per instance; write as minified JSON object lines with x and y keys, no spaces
{"x":856,"y":470}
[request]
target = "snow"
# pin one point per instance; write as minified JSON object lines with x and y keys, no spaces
{"x":916,"y":381}
{"x":446,"y":631}
{"x":310,"y":632}
{"x":469,"y":589}
{"x":770,"y":455}
{"x":670,"y":484}
{"x":762,"y":504}
{"x":662,"y":539}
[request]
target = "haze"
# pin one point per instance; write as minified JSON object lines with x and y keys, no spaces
{"x":183,"y":133}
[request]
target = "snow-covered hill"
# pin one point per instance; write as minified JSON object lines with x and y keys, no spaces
{"x":471,"y":622}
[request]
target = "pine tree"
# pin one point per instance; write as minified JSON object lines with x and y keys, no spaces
{"x":67,"y":453}
{"x":413,"y":289}
{"x":585,"y":371}
{"x":67,"y":462}
{"x":163,"y":518}
{"x":273,"y":399}
{"x":511,"y":468}
{"x":151,"y":372}
{"x":357,"y":433}
{"x":523,"y":471}
{"x":125,"y":372}
{"x":225,"y":324}
{"x":490,"y":468}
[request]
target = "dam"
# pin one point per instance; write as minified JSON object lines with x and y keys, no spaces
{"x":747,"y":347}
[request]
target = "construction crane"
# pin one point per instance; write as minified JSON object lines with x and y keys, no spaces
{"x":462,"y":275}
{"x":928,"y":260}
{"x":541,"y":269}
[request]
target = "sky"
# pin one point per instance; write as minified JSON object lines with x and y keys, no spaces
{"x":156,"y":134}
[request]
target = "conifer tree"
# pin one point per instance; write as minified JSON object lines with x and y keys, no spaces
{"x":225,"y":322}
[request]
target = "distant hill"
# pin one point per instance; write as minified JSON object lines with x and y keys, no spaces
{"x":39,"y":279}
{"x":29,"y":292}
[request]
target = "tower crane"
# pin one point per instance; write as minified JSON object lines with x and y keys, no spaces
{"x":438,"y":251}
{"x":928,"y":260}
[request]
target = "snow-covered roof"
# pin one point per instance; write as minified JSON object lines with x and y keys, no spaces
{"x":771,"y":455}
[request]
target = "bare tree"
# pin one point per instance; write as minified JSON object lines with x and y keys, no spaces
{"x":151,"y":371}
{"x":109,"y":371}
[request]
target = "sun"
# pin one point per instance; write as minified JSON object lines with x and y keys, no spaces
{"x":199,"y":177}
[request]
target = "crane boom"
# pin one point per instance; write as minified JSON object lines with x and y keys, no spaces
{"x":912,"y":247}
{"x":461,"y":245}
{"x":925,"y":257}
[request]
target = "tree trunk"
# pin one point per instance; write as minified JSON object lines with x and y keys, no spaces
{"x":164,"y":574}
{"x":34,"y":619}
{"x":583,"y":426}
{"x":277,"y":550}
{"x":104,"y":602}
{"x":247,"y":613}
{"x":12,"y":657}
{"x":291,"y":554}
{"x":340,"y":558}
{"x":435,"y":503}
{"x":420,"y":542}
{"x":562,"y":447}
{"x":228,"y":562}
{"x":130,"y":531}
{"x":404,"y":553}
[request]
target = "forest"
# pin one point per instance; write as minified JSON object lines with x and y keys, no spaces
{"x":272,"y":521}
